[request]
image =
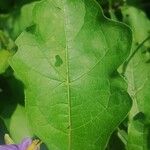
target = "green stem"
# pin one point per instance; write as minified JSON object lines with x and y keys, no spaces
{"x":122,"y":136}
{"x":132,"y":55}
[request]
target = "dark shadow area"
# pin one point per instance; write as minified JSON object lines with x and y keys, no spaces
{"x":105,"y":6}
{"x":142,"y":4}
{"x":7,"y":6}
{"x":43,"y":146}
{"x":11,"y":94}
{"x":115,"y":6}
{"x":124,"y":125}
{"x":115,"y":143}
{"x":3,"y":130}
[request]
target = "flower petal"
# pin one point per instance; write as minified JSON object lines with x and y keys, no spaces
{"x":24,"y":144}
{"x":9,"y":147}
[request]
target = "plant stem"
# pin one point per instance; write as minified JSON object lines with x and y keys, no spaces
{"x":132,"y":55}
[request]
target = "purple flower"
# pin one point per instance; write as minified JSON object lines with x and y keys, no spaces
{"x":26,"y":144}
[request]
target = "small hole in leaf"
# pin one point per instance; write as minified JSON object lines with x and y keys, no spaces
{"x":31,"y":28}
{"x":59,"y":61}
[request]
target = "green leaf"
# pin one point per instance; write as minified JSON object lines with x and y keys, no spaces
{"x":18,"y":22}
{"x":74,"y":97}
{"x":4,"y":56}
{"x":138,"y":133}
{"x":138,"y":76}
{"x":7,"y":49}
{"x":17,"y":124}
{"x":140,"y":29}
{"x":12,"y":111}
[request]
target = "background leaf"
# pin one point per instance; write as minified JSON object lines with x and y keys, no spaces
{"x":7,"y":49}
{"x":138,"y":76}
{"x":12,"y":111}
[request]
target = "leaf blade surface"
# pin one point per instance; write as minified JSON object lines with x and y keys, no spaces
{"x":68,"y":64}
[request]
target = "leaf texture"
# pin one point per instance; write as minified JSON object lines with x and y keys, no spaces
{"x":68,"y":61}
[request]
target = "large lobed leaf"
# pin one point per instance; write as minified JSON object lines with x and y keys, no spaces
{"x":68,"y":61}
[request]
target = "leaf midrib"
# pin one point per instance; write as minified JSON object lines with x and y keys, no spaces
{"x":68,"y":82}
{"x":67,"y":72}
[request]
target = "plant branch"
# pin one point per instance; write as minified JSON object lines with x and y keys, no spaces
{"x":132,"y":55}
